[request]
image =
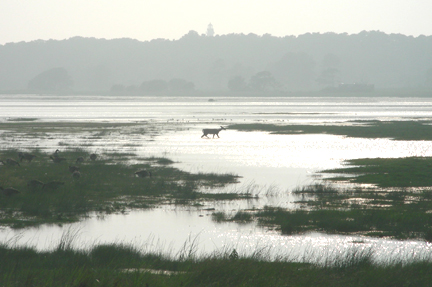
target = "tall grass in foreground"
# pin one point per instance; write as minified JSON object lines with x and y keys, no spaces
{"x":125,"y":265}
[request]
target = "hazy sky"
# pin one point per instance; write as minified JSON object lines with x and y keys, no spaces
{"x":26,"y":20}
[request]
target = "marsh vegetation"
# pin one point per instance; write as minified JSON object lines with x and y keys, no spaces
{"x":396,"y":203}
{"x":398,"y":130}
{"x":124,"y":265}
{"x":49,"y":191}
{"x":373,"y":197}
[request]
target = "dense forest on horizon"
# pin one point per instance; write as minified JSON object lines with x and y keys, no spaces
{"x":233,"y":62}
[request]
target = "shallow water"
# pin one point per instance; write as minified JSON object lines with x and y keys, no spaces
{"x":183,"y":231}
{"x":294,"y":109}
{"x":270,"y":165}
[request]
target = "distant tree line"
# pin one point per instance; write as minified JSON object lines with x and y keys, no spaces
{"x":56,"y":79}
{"x":234,"y":62}
{"x":155,"y":87}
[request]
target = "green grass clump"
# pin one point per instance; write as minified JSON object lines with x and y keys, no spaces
{"x":105,"y":185}
{"x":388,"y":172}
{"x":219,"y":216}
{"x":242,"y":217}
{"x":239,"y":217}
{"x":160,"y":160}
{"x":395,"y":223}
{"x":398,"y":204}
{"x":398,"y":213}
{"x":21,"y":119}
{"x":398,"y":130}
{"x":316,"y":188}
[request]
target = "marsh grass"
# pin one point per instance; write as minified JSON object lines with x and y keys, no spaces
{"x":252,"y":190}
{"x":106,"y":185}
{"x":160,"y":160}
{"x":388,"y":172}
{"x":398,"y":130}
{"x":401,"y":213}
{"x":106,"y":265}
{"x":241,"y":217}
{"x":21,"y":119}
{"x":219,"y":216}
{"x":398,"y":204}
{"x":316,"y":188}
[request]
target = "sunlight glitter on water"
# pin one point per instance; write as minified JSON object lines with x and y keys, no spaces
{"x":285,"y":160}
{"x":281,"y":161}
{"x":294,"y":109}
{"x":182,"y":231}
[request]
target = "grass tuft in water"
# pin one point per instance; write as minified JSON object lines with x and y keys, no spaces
{"x":316,"y":188}
{"x":160,"y":160}
{"x":22,"y":119}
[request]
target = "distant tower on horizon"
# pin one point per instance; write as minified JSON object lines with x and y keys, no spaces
{"x":210,"y":30}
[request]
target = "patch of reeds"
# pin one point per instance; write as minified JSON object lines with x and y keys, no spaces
{"x":401,"y":213}
{"x":388,"y":172}
{"x":123,"y":265}
{"x":107,"y":184}
{"x":160,"y":160}
{"x":242,"y":217}
{"x":397,"y":205}
{"x":21,"y":119}
{"x":316,"y":188}
{"x":219,"y":216}
{"x":398,"y":130}
{"x":239,"y":217}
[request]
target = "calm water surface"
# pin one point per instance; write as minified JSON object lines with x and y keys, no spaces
{"x":270,"y":166}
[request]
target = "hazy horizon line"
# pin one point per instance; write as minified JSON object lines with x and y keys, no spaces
{"x":217,"y":35}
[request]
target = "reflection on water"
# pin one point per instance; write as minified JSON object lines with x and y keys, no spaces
{"x":286,"y":161}
{"x":183,"y":230}
{"x":293,"y":109}
{"x":270,"y":165}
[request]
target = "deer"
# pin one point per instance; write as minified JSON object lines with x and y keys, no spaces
{"x":212,"y":132}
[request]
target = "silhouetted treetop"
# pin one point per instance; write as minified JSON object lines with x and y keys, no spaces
{"x":54,"y":80}
{"x":305,"y":62}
